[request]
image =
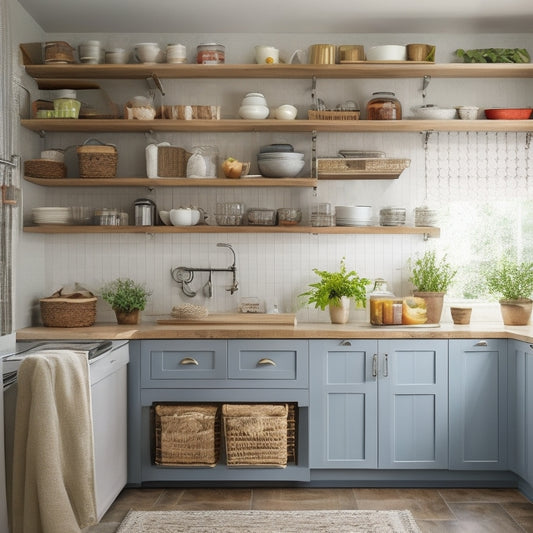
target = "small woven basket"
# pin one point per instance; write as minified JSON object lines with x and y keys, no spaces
{"x":172,"y":161}
{"x":256,"y":434}
{"x":97,"y":160}
{"x":45,"y":168}
{"x":68,"y":312}
{"x":186,"y":434}
{"x":314,"y":114}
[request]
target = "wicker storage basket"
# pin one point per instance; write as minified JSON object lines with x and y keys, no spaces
{"x":97,"y":160}
{"x":172,"y":161}
{"x":314,"y":114}
{"x":380,"y":167}
{"x":45,"y":168}
{"x":68,"y":312}
{"x":255,"y":434}
{"x":186,"y":434}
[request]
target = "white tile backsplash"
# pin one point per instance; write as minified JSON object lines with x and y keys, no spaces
{"x":273,"y":267}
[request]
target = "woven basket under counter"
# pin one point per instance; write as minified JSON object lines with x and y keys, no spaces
{"x":255,"y":434}
{"x":172,"y":162}
{"x":97,"y":161}
{"x":68,"y":312}
{"x":187,"y":434}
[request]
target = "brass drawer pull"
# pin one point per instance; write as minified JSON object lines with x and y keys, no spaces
{"x":189,"y":361}
{"x":265,"y":361}
{"x":481,"y":343}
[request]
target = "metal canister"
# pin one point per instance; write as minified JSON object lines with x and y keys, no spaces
{"x":144,"y":212}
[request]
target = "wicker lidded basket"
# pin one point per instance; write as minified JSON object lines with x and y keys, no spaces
{"x":256,"y":434}
{"x":73,"y":310}
{"x":97,"y":159}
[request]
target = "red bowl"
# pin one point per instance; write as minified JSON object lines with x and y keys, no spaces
{"x":513,"y":113}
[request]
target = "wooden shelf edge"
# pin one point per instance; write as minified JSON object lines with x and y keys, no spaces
{"x":173,"y":182}
{"x":270,"y":125}
{"x":333,"y":230}
{"x":365,"y":69}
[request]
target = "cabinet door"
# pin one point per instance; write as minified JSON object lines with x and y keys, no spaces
{"x":529,"y":413}
{"x":517,"y":387}
{"x":478,"y":404}
{"x":343,"y":404}
{"x":413,"y":403}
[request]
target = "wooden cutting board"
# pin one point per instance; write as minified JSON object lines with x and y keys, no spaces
{"x":286,"y":319}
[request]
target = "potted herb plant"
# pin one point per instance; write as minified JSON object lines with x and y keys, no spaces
{"x":512,"y":282}
{"x":431,"y":277}
{"x":127,"y":298}
{"x":335,"y":290}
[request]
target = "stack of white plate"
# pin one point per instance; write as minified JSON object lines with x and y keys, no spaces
{"x":52,"y":215}
{"x":353,"y":215}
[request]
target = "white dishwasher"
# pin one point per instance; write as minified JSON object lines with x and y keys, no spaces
{"x":108,"y":362}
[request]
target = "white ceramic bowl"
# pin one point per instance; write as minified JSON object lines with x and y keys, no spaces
{"x":253,"y":112}
{"x":387,"y":52}
{"x":355,"y":212}
{"x":280,"y":155}
{"x":165,"y":217}
{"x":285,"y":112}
{"x":468,"y":112}
{"x":434,"y":113}
{"x":254,"y":99}
{"x":280,"y":168}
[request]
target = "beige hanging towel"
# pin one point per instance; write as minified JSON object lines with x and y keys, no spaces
{"x":53,"y":464}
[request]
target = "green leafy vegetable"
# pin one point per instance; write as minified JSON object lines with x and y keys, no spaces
{"x":494,"y":55}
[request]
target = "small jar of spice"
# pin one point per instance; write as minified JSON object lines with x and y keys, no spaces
{"x":210,"y":54}
{"x":383,"y":106}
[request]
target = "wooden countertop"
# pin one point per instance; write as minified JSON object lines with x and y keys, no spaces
{"x":152,"y":330}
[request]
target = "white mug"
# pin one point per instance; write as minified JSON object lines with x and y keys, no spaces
{"x":176,"y":53}
{"x":148,"y":53}
{"x":266,"y":54}
{"x":116,"y":56}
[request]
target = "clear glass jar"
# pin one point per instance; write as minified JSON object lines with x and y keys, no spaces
{"x":383,"y":106}
{"x":385,"y":308}
{"x":210,"y":54}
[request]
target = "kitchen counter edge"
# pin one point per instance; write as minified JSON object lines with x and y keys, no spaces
{"x":148,"y":330}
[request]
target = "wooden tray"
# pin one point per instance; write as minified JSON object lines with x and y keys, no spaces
{"x":286,"y":319}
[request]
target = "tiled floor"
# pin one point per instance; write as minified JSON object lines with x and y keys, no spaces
{"x":435,"y":510}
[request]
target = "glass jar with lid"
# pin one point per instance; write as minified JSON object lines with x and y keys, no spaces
{"x":383,"y":106}
{"x":385,"y":308}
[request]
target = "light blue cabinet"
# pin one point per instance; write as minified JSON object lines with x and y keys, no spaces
{"x":520,"y":365}
{"x":379,"y":404}
{"x":478,"y":404}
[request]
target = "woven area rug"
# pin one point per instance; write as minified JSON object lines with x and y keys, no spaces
{"x":268,"y":522}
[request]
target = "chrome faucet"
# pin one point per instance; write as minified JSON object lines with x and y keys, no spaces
{"x":233,"y":268}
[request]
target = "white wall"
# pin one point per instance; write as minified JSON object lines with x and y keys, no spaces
{"x":271,"y":267}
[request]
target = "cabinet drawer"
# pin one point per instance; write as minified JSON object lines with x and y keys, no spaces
{"x":281,"y":361}
{"x":165,"y":361}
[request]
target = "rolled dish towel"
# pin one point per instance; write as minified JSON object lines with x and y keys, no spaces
{"x":53,"y":463}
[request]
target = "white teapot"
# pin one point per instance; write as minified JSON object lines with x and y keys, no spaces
{"x":186,"y":216}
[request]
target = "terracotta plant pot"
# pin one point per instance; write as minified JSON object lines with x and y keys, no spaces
{"x":434,"y":304}
{"x":461,"y":315}
{"x":132,"y":317}
{"x":339,"y":314}
{"x":516,"y":312}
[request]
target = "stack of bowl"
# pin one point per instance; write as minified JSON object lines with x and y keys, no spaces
{"x":279,"y":161}
{"x":392,"y":216}
{"x":354,"y":215}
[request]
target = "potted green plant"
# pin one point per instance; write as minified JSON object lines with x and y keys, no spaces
{"x":512,"y":282}
{"x":335,"y":290}
{"x":431,"y":276}
{"x":127,"y":298}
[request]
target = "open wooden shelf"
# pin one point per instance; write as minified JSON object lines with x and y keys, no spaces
{"x":333,"y":230}
{"x":366,"y":69}
{"x":173,"y":182}
{"x":268,"y":125}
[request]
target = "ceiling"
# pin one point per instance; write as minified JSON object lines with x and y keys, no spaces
{"x":282,"y":16}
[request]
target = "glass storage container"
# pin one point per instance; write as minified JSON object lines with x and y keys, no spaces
{"x":383,"y":106}
{"x":385,"y":308}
